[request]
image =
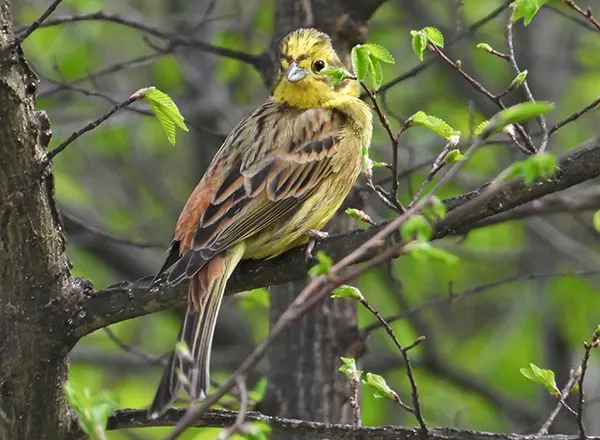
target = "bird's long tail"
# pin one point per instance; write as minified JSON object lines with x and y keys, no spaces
{"x":204,"y":301}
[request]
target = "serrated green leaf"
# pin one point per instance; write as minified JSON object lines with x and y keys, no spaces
{"x":377,"y":77}
{"x":526,"y":9}
{"x":382,"y":390}
{"x":379,"y":52}
{"x":520,"y":113}
{"x":453,"y":156}
{"x":345,"y":291}
{"x":324,"y":263}
{"x":479,"y":129}
{"x":434,"y":36}
{"x":596,"y":219}
{"x":416,"y":227}
{"x":437,"y":125}
{"x":165,"y":110}
{"x":361,"y":62}
{"x":419,"y":43}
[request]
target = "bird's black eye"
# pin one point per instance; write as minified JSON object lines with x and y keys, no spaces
{"x":318,"y":65}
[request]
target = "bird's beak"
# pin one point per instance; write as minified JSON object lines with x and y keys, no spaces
{"x":295,"y":73}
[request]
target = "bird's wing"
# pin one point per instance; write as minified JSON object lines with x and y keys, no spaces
{"x":268,"y":165}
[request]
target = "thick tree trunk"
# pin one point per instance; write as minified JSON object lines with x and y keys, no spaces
{"x":34,"y":271}
{"x":303,"y":377}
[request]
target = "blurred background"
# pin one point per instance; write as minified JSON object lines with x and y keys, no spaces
{"x":121,"y":187}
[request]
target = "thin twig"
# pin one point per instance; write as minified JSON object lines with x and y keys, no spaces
{"x":438,"y":164}
{"x":36,"y":24}
{"x":397,"y":206}
{"x":496,"y":99}
{"x":106,"y":236}
{"x":584,"y":364}
{"x":135,"y":97}
{"x":411,"y":73}
{"x":134,"y":62}
{"x":132,"y":349}
{"x":587,"y":13}
{"x":241,"y":416}
{"x":513,"y":61}
{"x":561,"y":399}
{"x":416,"y":409}
{"x":445,"y":299}
{"x":574,"y":116}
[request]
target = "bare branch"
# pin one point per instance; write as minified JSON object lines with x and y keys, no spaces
{"x":36,"y":24}
{"x":587,"y":13}
{"x":128,"y":300}
{"x":135,"y":418}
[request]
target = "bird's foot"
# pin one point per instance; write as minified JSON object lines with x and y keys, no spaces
{"x":314,"y":236}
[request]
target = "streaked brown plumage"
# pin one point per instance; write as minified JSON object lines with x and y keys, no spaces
{"x":282,"y":171}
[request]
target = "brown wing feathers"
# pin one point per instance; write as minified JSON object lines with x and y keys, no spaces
{"x":266,"y":187}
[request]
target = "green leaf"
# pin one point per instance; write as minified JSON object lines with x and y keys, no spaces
{"x":416,"y":227}
{"x":519,"y":113}
{"x":519,"y":79}
{"x":543,"y":377}
{"x":453,"y":156}
{"x":419,"y":43}
{"x":435,"y":209}
{"x":538,"y":166}
{"x":526,"y":9}
{"x":379,"y":52}
{"x":349,"y":369}
{"x":437,"y":125}
{"x":382,"y":390}
{"x":337,"y":74}
{"x":259,"y":390}
{"x":256,"y":431}
{"x":484,"y":46}
{"x":425,"y":251}
{"x":377,"y":77}
{"x":597,"y":226}
{"x":92,"y":411}
{"x":479,"y":129}
{"x":361,"y":62}
{"x":434,"y":36}
{"x":324,"y":263}
{"x":165,"y":110}
{"x":359,"y":215}
{"x":345,"y":291}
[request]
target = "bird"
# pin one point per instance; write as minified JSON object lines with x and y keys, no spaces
{"x":281,"y":173}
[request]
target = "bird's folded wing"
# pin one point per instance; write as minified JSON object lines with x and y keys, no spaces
{"x":269,"y":175}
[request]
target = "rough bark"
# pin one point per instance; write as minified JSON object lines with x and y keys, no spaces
{"x":34,"y":271}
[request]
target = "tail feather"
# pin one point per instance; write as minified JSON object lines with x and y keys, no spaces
{"x":205,"y":294}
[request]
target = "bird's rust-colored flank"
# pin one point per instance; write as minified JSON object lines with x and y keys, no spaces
{"x":282,"y":171}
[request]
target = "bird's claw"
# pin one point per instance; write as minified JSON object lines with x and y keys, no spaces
{"x":314,"y":236}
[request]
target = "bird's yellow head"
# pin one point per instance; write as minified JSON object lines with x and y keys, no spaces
{"x":303,"y":54}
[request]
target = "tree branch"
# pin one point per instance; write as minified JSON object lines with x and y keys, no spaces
{"x":129,"y":300}
{"x":135,"y":418}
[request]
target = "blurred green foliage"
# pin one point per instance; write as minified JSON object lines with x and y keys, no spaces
{"x":124,"y":178}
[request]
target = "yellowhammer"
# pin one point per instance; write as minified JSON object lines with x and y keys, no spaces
{"x":284,"y":170}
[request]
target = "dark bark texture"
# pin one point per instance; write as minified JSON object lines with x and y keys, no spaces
{"x":34,"y":271}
